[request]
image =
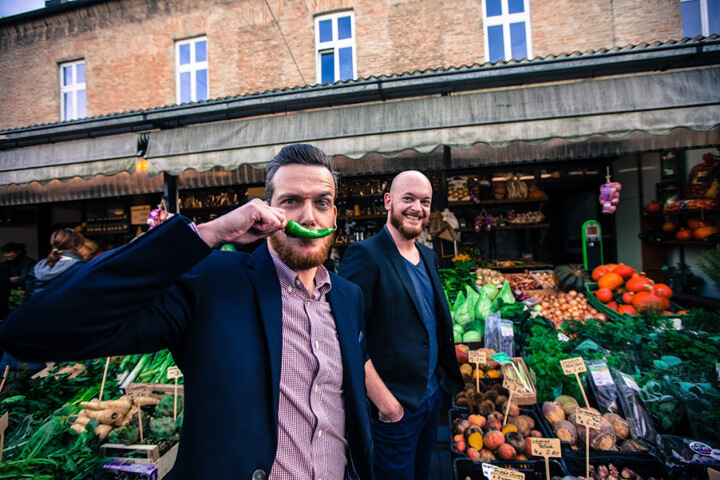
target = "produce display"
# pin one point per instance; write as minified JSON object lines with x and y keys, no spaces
{"x":526,"y":218}
{"x":522,"y":281}
{"x":561,"y":307}
{"x":544,"y":278}
{"x":487,"y":276}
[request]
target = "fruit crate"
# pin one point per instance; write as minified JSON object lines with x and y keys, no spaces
{"x":526,"y":398}
{"x":611,"y":314}
{"x":464,"y":469}
{"x":644,"y":465}
{"x":149,"y":456}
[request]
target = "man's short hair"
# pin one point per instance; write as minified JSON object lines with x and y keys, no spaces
{"x":16,"y":247}
{"x":298,"y":154}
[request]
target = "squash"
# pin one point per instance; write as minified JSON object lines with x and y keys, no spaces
{"x":703,"y":232}
{"x":638,"y":283}
{"x":683,"y":235}
{"x":645,"y":302}
{"x":569,"y":277}
{"x":611,"y":281}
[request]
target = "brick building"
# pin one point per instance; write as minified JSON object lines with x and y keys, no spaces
{"x":137,"y":98}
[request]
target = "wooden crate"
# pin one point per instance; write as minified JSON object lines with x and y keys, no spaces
{"x":151,"y":456}
{"x":160,"y":388}
{"x":527,"y":398}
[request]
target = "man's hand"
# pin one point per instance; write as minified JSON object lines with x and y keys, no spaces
{"x":395,"y":415}
{"x":245,"y":224}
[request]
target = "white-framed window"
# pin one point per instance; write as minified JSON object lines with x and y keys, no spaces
{"x":335,"y":47}
{"x":700,"y":17}
{"x":507,"y":29}
{"x":191,"y":67}
{"x":73,"y":92}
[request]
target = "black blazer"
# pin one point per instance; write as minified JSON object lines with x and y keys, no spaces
{"x":220,"y":313}
{"x":397,"y":339}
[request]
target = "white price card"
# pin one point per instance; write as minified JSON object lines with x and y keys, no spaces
{"x":513,"y":385}
{"x":487,"y":469}
{"x":546,"y":447}
{"x":506,"y":329}
{"x":601,"y":375}
{"x":630,"y":382}
{"x":572,"y":366}
{"x":507,"y":474}
{"x":562,"y":337}
{"x":476,"y":356}
{"x":173,"y":372}
{"x":587,"y":418}
{"x":135,"y":390}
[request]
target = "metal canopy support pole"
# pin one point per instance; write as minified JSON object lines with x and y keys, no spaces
{"x":170,"y":192}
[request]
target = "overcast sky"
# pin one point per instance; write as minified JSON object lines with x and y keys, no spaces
{"x":13,"y":7}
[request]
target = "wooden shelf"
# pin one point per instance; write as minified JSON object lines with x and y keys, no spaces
{"x":363,"y":217}
{"x":704,"y":211}
{"x":507,"y":227}
{"x":504,"y":201}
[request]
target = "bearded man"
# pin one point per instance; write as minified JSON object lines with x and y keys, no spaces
{"x":411,"y":360}
{"x":270,"y":343}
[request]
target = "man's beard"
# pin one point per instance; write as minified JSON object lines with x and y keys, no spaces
{"x":298,"y":261}
{"x":410,"y":233}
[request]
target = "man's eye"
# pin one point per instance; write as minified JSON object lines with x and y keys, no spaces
{"x":289,"y":201}
{"x":323,"y":203}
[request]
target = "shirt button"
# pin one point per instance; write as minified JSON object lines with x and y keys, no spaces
{"x":425,"y":344}
{"x":316,"y":388}
{"x":317,"y":344}
{"x":308,"y":303}
{"x":289,"y":289}
{"x":319,"y":433}
{"x":297,"y":282}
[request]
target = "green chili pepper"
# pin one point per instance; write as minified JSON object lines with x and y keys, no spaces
{"x":294,"y":229}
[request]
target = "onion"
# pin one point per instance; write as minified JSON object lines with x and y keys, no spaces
{"x":572,"y":293}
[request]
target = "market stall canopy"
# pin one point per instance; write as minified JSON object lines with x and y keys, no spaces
{"x":62,"y":161}
{"x":575,"y":119}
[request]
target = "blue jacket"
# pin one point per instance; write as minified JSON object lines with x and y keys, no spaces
{"x":220,"y":313}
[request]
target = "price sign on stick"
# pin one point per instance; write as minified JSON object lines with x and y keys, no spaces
{"x":2,"y":384}
{"x":515,"y":387}
{"x":546,"y":447}
{"x":137,"y":391}
{"x":507,"y":474}
{"x":3,"y":426}
{"x":102,"y":384}
{"x":174,"y":373}
{"x":589,"y":420}
{"x":574,"y":366}
{"x":488,"y":469}
{"x":477,"y":357}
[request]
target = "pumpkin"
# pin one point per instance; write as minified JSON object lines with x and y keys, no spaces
{"x":663,"y":290}
{"x":627,"y":297}
{"x":645,"y":302}
{"x":703,"y":232}
{"x":612,"y":305}
{"x":683,"y":235}
{"x":611,"y":281}
{"x":604,"y":295}
{"x":569,"y":277}
{"x":638,"y":283}
{"x":694,"y":223}
{"x":669,"y":227}
{"x":627,"y":310}
{"x":599,"y":272}
{"x":653,"y":207}
{"x":624,"y":271}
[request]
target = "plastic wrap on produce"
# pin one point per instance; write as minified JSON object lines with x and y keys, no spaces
{"x":602,"y":386}
{"x":636,"y":414}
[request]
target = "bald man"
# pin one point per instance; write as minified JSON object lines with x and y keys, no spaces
{"x":411,"y":361}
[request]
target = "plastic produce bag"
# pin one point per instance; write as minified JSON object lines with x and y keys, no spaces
{"x":687,"y":458}
{"x":602,"y":386}
{"x":639,"y":421}
{"x":492,"y":331}
{"x":507,"y":338}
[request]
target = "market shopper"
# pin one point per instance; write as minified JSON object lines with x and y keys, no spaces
{"x":13,"y":272}
{"x":270,"y":343}
{"x":411,"y":363}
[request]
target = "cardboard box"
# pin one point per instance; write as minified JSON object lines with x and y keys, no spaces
{"x":150,"y":458}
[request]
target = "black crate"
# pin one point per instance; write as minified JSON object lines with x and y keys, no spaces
{"x":643,"y":464}
{"x":464,"y":468}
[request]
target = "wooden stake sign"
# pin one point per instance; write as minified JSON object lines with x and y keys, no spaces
{"x":174,"y":373}
{"x":574,"y":366}
{"x":102,"y":385}
{"x":2,"y":384}
{"x":589,"y":420}
{"x":546,"y":447}
{"x":3,"y":426}
{"x":507,"y":474}
{"x":515,"y":387}
{"x":136,"y":391}
{"x":477,"y":357}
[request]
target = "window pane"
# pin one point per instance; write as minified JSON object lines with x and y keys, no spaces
{"x":325,"y":30}
{"x":185,"y":87}
{"x":345,"y":56}
{"x":344,"y":28}
{"x":201,"y":51}
{"x":327,"y":67}
{"x":494,"y":7}
{"x":67,"y":100}
{"x":496,"y":45}
{"x":80,"y":73}
{"x":518,"y":40}
{"x":81,"y":104}
{"x":690,"y":18}
{"x":714,"y":16}
{"x":516,"y":6}
{"x":67,"y":75}
{"x":184,"y":54}
{"x":202,"y":84}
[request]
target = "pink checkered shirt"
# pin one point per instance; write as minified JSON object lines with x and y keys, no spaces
{"x":311,"y":417}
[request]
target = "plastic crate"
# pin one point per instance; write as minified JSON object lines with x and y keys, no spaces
{"x":590,"y":289}
{"x":464,"y":468}
{"x":644,"y":465}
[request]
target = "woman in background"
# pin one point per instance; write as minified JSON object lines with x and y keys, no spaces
{"x":65,"y":255}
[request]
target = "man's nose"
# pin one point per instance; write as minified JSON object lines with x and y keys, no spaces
{"x":307,"y":215}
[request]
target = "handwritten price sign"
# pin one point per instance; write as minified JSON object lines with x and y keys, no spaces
{"x":513,"y":385}
{"x":173,"y":372}
{"x":588,"y":419}
{"x":476,"y":356}
{"x":571,"y":366}
{"x":136,"y":391}
{"x":507,"y":474}
{"x":546,"y":447}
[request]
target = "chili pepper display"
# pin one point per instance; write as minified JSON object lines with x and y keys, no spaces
{"x":294,"y":229}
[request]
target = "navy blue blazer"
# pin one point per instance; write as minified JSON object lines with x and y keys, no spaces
{"x":397,"y":339}
{"x":220,"y":313}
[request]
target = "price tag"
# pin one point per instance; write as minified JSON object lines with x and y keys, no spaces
{"x":135,"y":390}
{"x":546,"y":447}
{"x":506,"y":329}
{"x":502,"y":358}
{"x":507,"y":474}
{"x":488,"y":470}
{"x":588,"y":419}
{"x":601,"y":375}
{"x":630,"y":382}
{"x":174,"y":372}
{"x":476,"y":356}
{"x":572,"y":366}
{"x":513,"y":385}
{"x":562,"y":337}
